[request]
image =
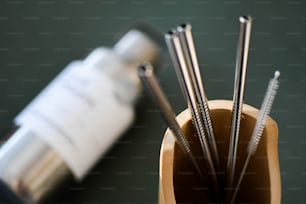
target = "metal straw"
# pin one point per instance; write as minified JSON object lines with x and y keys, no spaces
{"x":176,"y":52}
{"x":259,"y":127}
{"x":189,"y":52}
{"x":241,"y":66}
{"x":147,"y":76}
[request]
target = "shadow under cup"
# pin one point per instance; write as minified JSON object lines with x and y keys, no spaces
{"x":179,"y":183}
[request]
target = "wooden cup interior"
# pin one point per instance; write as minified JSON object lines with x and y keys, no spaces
{"x":262,"y":175}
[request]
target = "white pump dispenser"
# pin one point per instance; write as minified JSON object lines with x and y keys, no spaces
{"x":74,"y":120}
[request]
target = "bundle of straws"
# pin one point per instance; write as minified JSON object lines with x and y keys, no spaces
{"x":183,"y":54}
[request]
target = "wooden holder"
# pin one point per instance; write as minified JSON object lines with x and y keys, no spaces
{"x":179,"y":183}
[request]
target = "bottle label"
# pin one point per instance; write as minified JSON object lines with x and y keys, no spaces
{"x":78,"y":115}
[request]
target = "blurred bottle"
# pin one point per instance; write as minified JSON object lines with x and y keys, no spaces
{"x":66,"y":129}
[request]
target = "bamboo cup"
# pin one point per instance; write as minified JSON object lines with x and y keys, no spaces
{"x":179,"y":183}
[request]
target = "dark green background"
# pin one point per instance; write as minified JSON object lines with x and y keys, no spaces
{"x":39,"y":38}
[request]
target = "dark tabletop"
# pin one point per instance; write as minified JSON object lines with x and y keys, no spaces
{"x":38,"y":39}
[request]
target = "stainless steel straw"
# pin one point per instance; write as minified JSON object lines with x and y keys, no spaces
{"x":259,"y":127}
{"x":176,"y":52}
{"x":147,"y":76}
{"x":241,"y":66}
{"x":189,"y":52}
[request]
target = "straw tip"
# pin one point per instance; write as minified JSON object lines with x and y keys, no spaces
{"x":145,"y":69}
{"x":245,"y":19}
{"x":170,"y":34}
{"x":184,"y":27}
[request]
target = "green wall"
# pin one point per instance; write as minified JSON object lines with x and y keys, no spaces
{"x":38,"y":38}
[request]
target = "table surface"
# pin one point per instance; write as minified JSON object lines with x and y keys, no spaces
{"x":38,"y":39}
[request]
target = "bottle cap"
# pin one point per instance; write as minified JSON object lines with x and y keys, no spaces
{"x":137,"y":47}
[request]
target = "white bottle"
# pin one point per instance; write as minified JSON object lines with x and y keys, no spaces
{"x":74,"y":120}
